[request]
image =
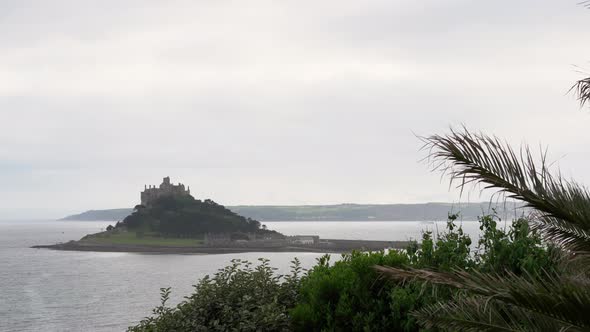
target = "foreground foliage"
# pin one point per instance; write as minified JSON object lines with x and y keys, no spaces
{"x":349,"y":293}
{"x":350,"y":296}
{"x":544,"y":300}
{"x":239,"y":297}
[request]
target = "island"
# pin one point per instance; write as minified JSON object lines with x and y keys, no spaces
{"x":170,"y":220}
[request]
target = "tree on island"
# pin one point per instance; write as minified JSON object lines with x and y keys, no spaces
{"x":184,"y":216}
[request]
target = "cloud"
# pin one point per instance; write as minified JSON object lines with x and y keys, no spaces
{"x":274,"y":102}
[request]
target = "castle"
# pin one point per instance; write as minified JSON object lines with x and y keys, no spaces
{"x":149,"y":194}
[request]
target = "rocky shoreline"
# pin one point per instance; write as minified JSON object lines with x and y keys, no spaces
{"x":330,"y":246}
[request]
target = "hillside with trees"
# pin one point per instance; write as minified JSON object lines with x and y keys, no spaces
{"x":184,"y":216}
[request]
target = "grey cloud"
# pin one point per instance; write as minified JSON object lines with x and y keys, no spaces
{"x":274,"y":102}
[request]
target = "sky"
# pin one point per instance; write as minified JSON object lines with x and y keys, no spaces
{"x":275,"y":102}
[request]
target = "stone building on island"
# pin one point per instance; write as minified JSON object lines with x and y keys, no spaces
{"x":150,"y":193}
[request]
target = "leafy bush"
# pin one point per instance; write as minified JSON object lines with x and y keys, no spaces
{"x":450,"y":250}
{"x":348,"y":295}
{"x":239,"y":297}
{"x":516,"y":250}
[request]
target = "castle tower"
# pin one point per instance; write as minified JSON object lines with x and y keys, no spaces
{"x":151,"y":193}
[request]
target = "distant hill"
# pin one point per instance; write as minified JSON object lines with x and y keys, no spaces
{"x":340,"y":212}
{"x":101,"y":215}
{"x":373,"y":212}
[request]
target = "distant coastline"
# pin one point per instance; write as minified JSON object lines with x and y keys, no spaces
{"x":100,"y":215}
{"x":339,"y":212}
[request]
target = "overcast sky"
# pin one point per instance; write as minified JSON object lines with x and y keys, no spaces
{"x":275,"y":102}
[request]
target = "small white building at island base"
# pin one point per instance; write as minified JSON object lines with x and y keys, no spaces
{"x":304,"y":239}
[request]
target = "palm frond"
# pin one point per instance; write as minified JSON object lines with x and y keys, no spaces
{"x":478,"y":313}
{"x":440,"y":278}
{"x":551,"y":296}
{"x":570,"y":236}
{"x":480,"y":159}
{"x":582,"y":87}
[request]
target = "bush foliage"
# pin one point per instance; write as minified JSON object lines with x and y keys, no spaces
{"x":239,"y":297}
{"x":348,"y":294}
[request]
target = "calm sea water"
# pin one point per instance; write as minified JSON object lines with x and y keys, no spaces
{"x":46,"y":290}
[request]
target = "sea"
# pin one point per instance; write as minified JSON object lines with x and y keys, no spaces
{"x":48,"y":290}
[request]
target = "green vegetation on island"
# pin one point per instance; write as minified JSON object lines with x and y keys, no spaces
{"x":184,"y":216}
{"x":170,"y":220}
{"x":180,"y":221}
{"x":125,"y":237}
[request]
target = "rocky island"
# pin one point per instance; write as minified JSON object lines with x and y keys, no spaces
{"x":170,"y":220}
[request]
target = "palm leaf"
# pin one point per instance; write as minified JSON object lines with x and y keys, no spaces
{"x":478,"y":313}
{"x":561,"y":300}
{"x":568,"y":235}
{"x":480,"y":159}
{"x":582,"y":87}
{"x":562,"y":214}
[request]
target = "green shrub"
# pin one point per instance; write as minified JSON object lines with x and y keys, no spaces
{"x":239,"y":297}
{"x":517,"y":249}
{"x":451,"y":249}
{"x":348,"y":295}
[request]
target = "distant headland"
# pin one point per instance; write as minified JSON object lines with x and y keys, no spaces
{"x":337,"y":212}
{"x":170,"y":220}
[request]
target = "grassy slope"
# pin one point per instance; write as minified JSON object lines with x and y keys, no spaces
{"x":131,"y":238}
